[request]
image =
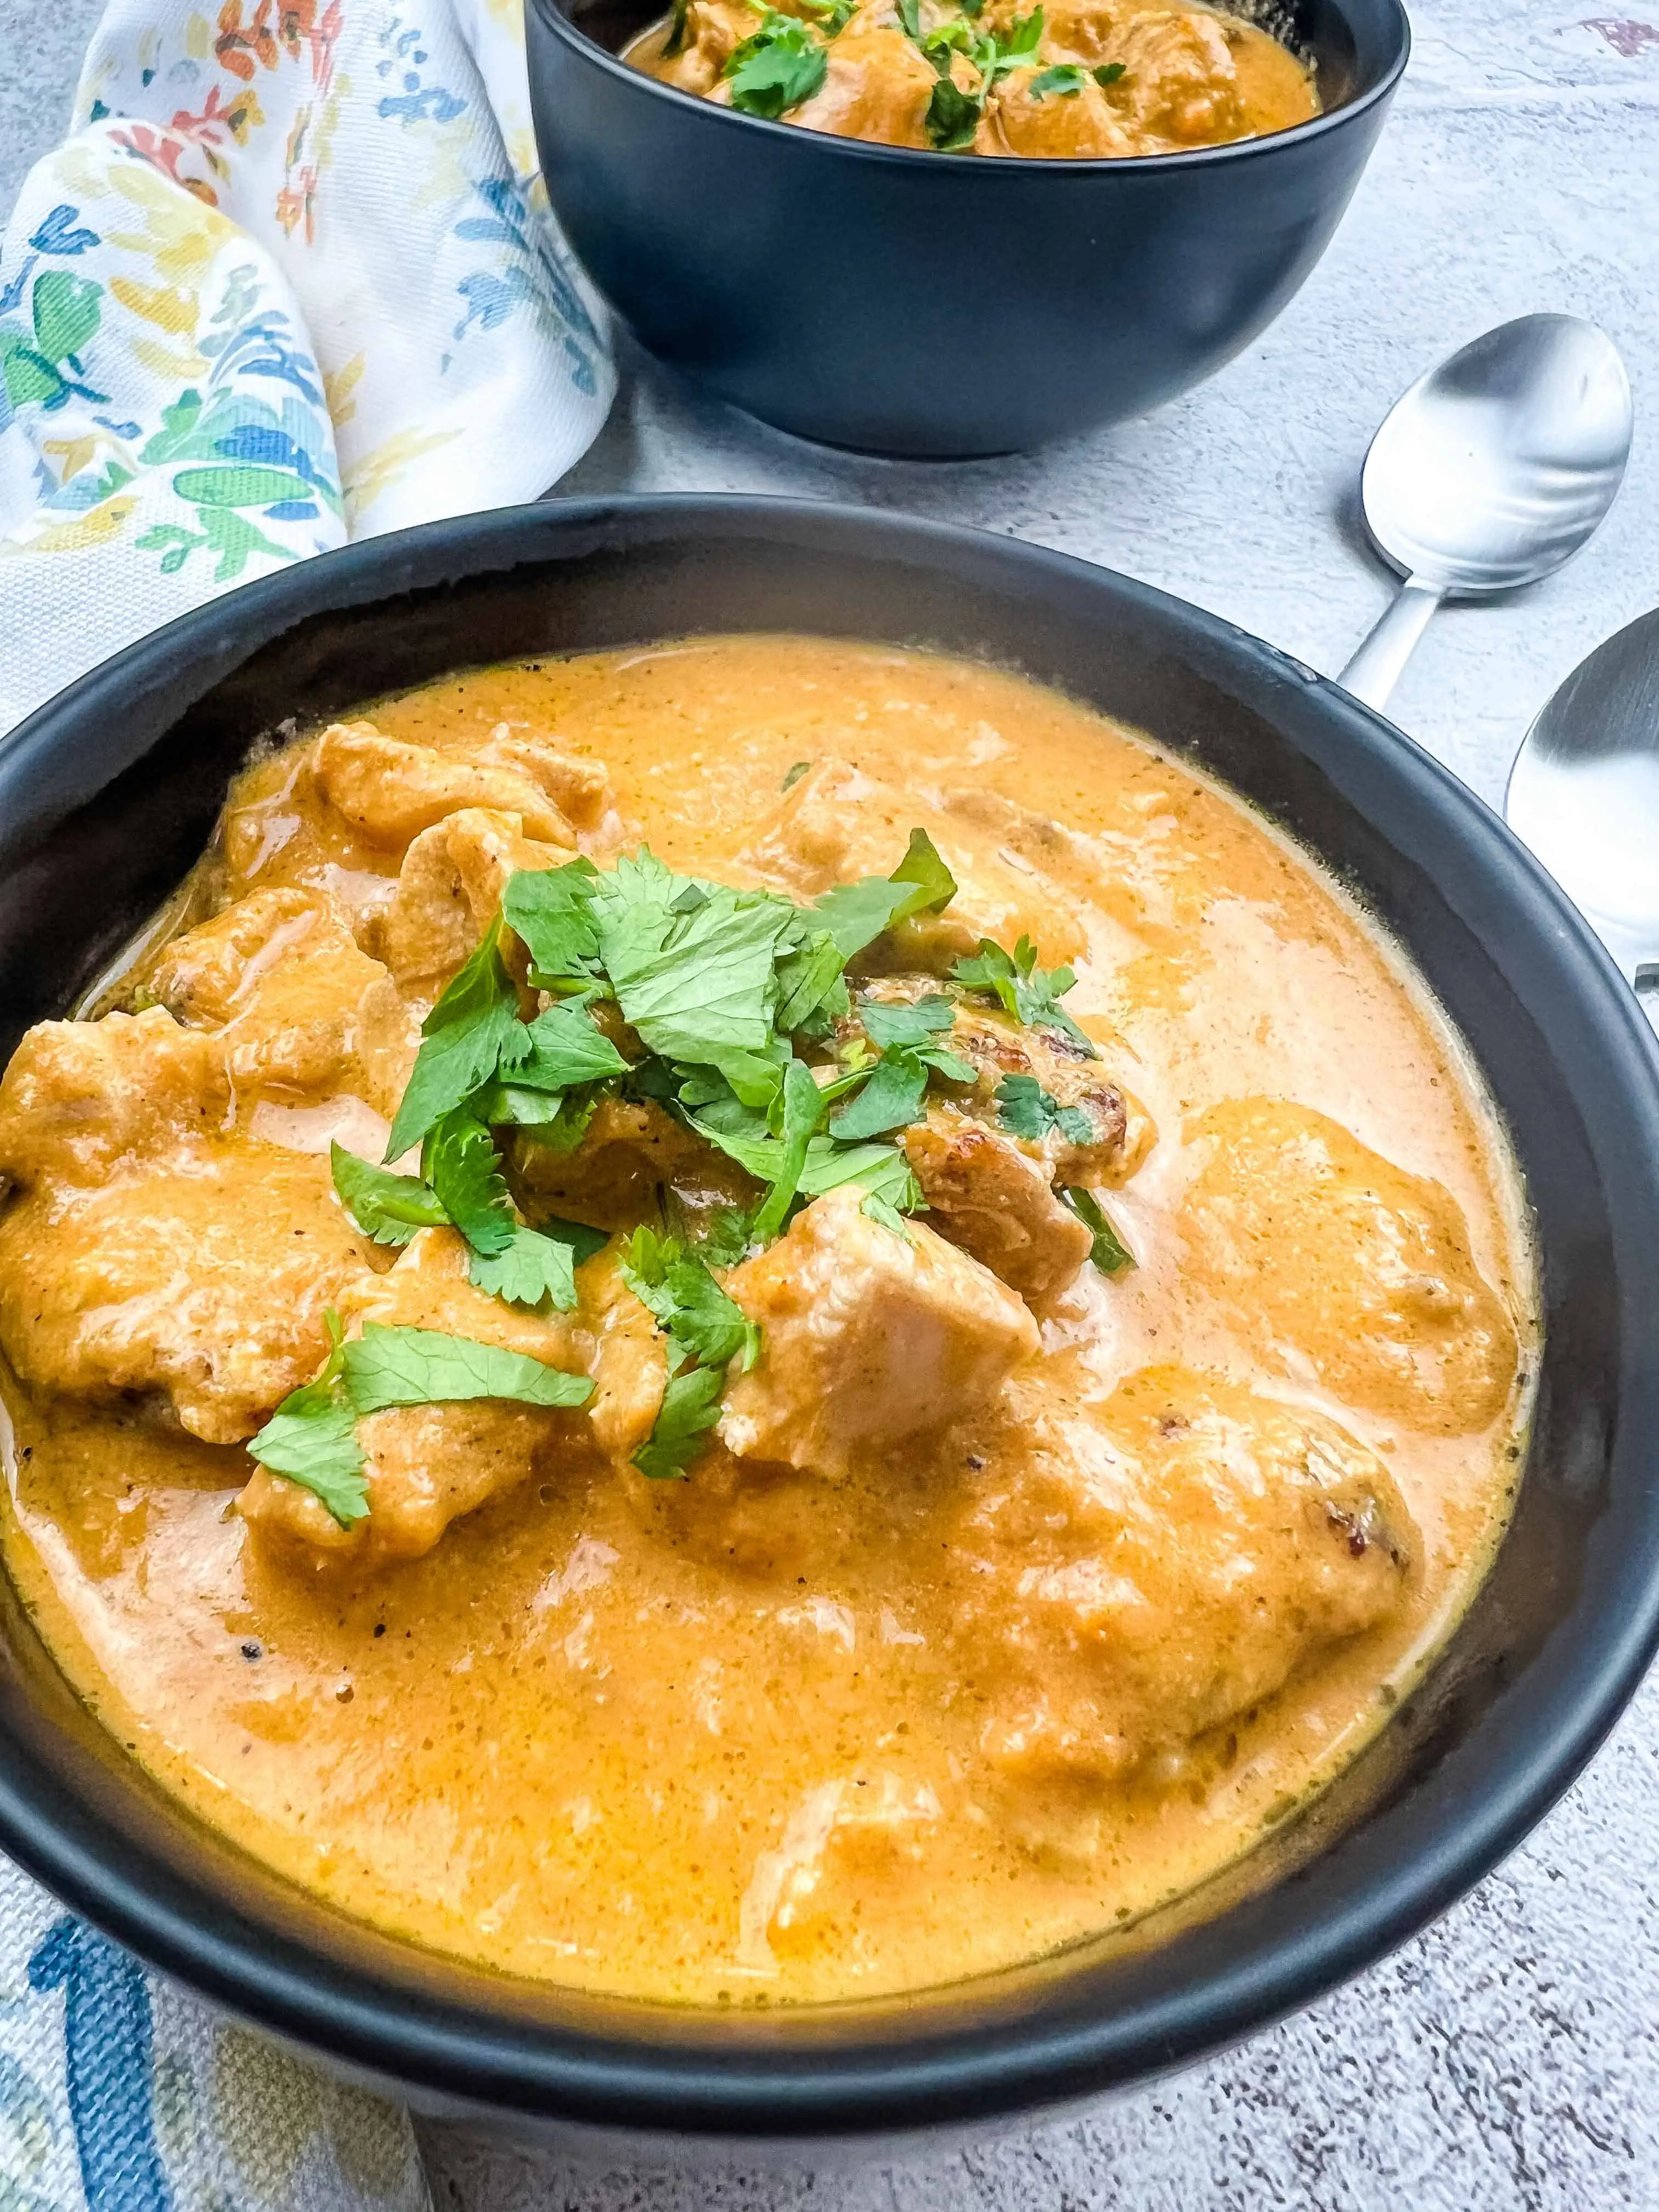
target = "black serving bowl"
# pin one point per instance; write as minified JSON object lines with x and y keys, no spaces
{"x":109,"y":792}
{"x":937,"y":304}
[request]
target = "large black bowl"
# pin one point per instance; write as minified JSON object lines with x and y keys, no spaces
{"x":106,"y":798}
{"x":922,"y":303}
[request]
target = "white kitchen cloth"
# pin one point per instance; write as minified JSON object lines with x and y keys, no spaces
{"x":292,"y":280}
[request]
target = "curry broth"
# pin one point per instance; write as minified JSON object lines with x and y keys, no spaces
{"x":586,"y":1738}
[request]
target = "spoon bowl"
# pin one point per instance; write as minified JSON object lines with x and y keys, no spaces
{"x":1584,"y":794}
{"x":1490,"y":474}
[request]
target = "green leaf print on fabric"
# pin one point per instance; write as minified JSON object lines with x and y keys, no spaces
{"x":66,"y":313}
{"x":240,"y":487}
{"x":41,"y":366}
{"x":223,"y":532}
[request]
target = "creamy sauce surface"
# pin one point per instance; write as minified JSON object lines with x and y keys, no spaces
{"x":801,"y":1738}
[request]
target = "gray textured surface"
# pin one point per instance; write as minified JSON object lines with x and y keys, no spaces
{"x":1507,"y":2057}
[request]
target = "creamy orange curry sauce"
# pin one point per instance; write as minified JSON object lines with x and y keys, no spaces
{"x":1068,"y":80}
{"x":905,"y":1568}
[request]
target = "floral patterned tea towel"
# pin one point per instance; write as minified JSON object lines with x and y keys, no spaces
{"x":292,"y":280}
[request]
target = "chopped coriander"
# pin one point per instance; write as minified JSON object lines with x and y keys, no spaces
{"x":461,"y":1042}
{"x":1030,"y":1112}
{"x":690,"y":1407}
{"x":881,"y":1169}
{"x":832,"y":17}
{"x":877,"y":1208}
{"x":855,"y":914}
{"x":776,"y":67}
{"x":1065,"y":80}
{"x":1110,"y":1254}
{"x":696,"y":986}
{"x":1030,"y":993}
{"x":893,"y":1096}
{"x":390,"y":1208}
{"x":1109,"y":73}
{"x":703,"y":1322}
{"x":463,"y":1167}
{"x":909,"y":15}
{"x":794,"y":775}
{"x":802,"y":1105}
{"x":532,"y":1270}
{"x":559,"y":1050}
{"x":676,"y":28}
{"x":312,"y":1437}
{"x":387,"y":1367}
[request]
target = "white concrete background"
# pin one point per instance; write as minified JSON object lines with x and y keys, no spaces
{"x":1508,"y":2057}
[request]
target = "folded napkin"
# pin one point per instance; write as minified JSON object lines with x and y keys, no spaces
{"x":291,"y":281}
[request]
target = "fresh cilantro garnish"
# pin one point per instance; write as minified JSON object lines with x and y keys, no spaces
{"x":558,"y":1051}
{"x":1110,"y":73}
{"x":877,"y":1208}
{"x":1110,"y":1254}
{"x":690,"y":1406}
{"x":311,"y":1438}
{"x":953,"y":116}
{"x":777,"y":67}
{"x":909,"y":15}
{"x":892,"y":1096}
{"x":1021,"y":42}
{"x":832,"y":17}
{"x":530,"y":1270}
{"x":551,"y":909}
{"x":855,"y":914}
{"x":676,"y":28}
{"x":1065,"y":80}
{"x":882,"y":1170}
{"x":898,"y":1022}
{"x":704,"y":1324}
{"x":461,"y":1041}
{"x":1030,"y":993}
{"x":463,"y":1167}
{"x":387,"y":1366}
{"x":390,"y":1208}
{"x":794,"y":775}
{"x":802,"y":1103}
{"x":1030,"y":1111}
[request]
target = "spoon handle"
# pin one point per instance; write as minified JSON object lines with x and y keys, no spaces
{"x":1380,"y":663}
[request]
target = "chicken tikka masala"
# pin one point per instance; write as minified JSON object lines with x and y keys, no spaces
{"x":1069,"y":80}
{"x":752,"y":1320}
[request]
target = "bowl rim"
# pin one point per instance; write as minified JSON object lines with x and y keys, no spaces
{"x":762,"y":2091}
{"x":554,"y":17}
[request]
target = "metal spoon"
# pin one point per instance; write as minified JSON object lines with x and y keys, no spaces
{"x":1490,"y":473}
{"x":1583,"y":793}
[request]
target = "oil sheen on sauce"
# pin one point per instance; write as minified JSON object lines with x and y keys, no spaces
{"x":576,"y":1741}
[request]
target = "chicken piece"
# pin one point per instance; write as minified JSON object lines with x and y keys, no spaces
{"x":628,"y":1360}
{"x":1337,"y":1264}
{"x":388,"y":792}
{"x":1180,"y":85}
{"x":1162,"y":1564}
{"x":204,"y":1278}
{"x":428,"y":1465}
{"x":837,"y":825}
{"x":80,"y":1101}
{"x":713,"y":31}
{"x":1073,"y":30}
{"x":448,"y":890}
{"x":877,"y":85}
{"x":1076,"y":123}
{"x":994,"y":1044}
{"x":990,"y":1197}
{"x":868,"y":1337}
{"x":628,"y":1152}
{"x":297,"y":1007}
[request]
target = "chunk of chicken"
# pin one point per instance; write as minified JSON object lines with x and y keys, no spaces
{"x":1337,"y":1264}
{"x":1076,"y":123}
{"x":630,"y":1152}
{"x":877,"y":85}
{"x":1162,"y":1564}
{"x":1180,"y":85}
{"x":1120,"y":1131}
{"x":987,"y":1195}
{"x":868,"y":1337}
{"x":713,"y":31}
{"x":204,"y":1278}
{"x":628,"y":1360}
{"x":80,"y":1101}
{"x":428,"y":1465}
{"x":296,"y":1006}
{"x":448,"y":888}
{"x":837,"y":825}
{"x":388,"y":791}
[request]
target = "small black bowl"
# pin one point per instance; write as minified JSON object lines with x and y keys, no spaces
{"x":109,"y":792}
{"x":939,"y":304}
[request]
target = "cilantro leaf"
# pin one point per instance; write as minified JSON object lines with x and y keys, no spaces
{"x":1109,"y":73}
{"x":855,"y":914}
{"x":892,"y":1096}
{"x":805,"y":979}
{"x":777,"y":67}
{"x":311,"y":1438}
{"x":690,"y":1407}
{"x":1031,"y":995}
{"x":461,"y":1041}
{"x":878,"y":1208}
{"x":532,"y":1270}
{"x":388,"y":1367}
{"x":887,"y":1022}
{"x":463,"y":1167}
{"x":909,"y":15}
{"x":676,"y":28}
{"x":558,"y":1050}
{"x":582,"y":1239}
{"x":802,"y":1105}
{"x":705,"y":1324}
{"x":881,"y":1169}
{"x":390,"y":1208}
{"x":1065,"y":80}
{"x":1030,"y":1111}
{"x":795,"y":774}
{"x":1110,"y":1254}
{"x":1022,"y":37}
{"x":699,"y":985}
{"x":551,"y":911}
{"x":953,"y":116}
